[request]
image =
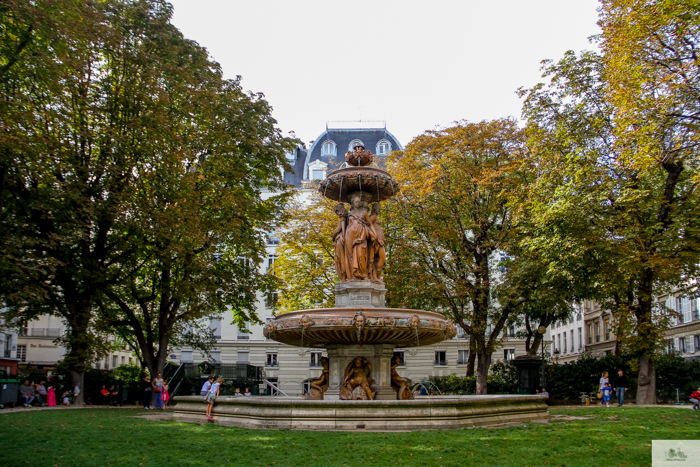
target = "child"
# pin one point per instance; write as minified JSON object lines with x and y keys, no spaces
{"x":211,"y":397}
{"x":166,"y":394}
{"x":607,"y":392}
{"x":695,"y":399}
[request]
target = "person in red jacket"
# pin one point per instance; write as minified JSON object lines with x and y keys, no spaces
{"x":695,"y":399}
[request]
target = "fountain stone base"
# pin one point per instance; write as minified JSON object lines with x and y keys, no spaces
{"x":378,"y":355}
{"x":360,"y":294}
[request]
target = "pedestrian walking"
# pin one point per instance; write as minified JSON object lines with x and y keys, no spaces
{"x":620,"y":387}
{"x":607,"y":393}
{"x":212,"y":395}
{"x":601,"y":385}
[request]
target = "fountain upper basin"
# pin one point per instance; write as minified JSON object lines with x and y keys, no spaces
{"x":353,"y":326}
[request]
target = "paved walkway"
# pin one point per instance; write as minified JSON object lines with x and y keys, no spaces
{"x":74,"y":407}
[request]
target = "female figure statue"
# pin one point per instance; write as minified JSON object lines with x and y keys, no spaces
{"x":377,"y":248}
{"x":341,"y":259}
{"x":357,"y":235}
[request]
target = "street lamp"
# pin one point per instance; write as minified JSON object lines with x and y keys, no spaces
{"x":542,"y":330}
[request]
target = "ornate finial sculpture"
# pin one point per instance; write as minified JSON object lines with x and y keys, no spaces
{"x":318,"y":387}
{"x":359,"y":157}
{"x":356,"y":384}
{"x":397,"y":382}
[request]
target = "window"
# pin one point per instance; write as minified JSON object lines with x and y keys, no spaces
{"x":580,"y":338}
{"x":559,"y":342}
{"x":686,"y":310}
{"x":271,"y":359}
{"x":8,"y":345}
{"x":508,"y":354}
{"x":98,"y":365}
{"x":315,"y":360}
{"x":573,"y":346}
{"x":565,"y":347}
{"x":243,"y":356}
{"x":670,"y":348}
{"x":106,"y":363}
{"x":694,"y":309}
{"x":509,"y":331}
{"x":22,"y":353}
{"x":355,"y":142}
{"x":696,"y":341}
{"x":271,"y":299}
{"x":589,"y":333}
{"x":270,"y":262}
{"x":186,"y":356}
{"x":318,"y":174}
{"x":383,"y":147}
{"x":402,"y":357}
{"x":123,"y":359}
{"x":244,"y":334}
{"x":440,"y":358}
{"x":215,"y":356}
{"x":114,"y":361}
{"x":462,"y":357}
{"x":131,"y":360}
{"x":596,"y":327}
{"x":215,"y":326}
{"x":681,"y":344}
{"x":328,"y":149}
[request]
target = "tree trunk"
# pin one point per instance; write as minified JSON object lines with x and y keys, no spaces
{"x":470,"y":363}
{"x":78,"y":347}
{"x":536,"y":342}
{"x":78,"y":379}
{"x":646,"y":382}
{"x":482,"y":372}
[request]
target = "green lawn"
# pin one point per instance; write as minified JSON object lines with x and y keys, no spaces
{"x":103,"y":437}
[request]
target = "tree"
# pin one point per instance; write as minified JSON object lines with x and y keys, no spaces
{"x":305,"y":265}
{"x":450,"y":226}
{"x":200,"y":222}
{"x":100,"y":99}
{"x":625,"y":225}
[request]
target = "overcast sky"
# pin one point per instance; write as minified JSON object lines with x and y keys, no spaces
{"x":415,"y":65}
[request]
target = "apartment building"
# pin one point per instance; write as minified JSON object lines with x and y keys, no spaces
{"x":569,"y":336}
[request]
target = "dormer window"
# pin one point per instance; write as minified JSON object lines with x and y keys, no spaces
{"x":383,"y":147}
{"x":328,"y":149}
{"x":355,"y":142}
{"x":317,"y":170}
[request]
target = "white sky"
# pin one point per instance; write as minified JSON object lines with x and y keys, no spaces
{"x":416,"y":65}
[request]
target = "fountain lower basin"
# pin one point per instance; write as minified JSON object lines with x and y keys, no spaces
{"x":422,"y":413}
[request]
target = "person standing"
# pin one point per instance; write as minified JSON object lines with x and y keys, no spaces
{"x":211,"y":397}
{"x":51,"y":397}
{"x":603,"y":382}
{"x":166,"y":394}
{"x":146,"y":389}
{"x":620,"y":387}
{"x":695,"y":399}
{"x":158,"y":390}
{"x":607,"y":393}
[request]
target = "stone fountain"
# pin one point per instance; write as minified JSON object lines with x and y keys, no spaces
{"x":359,"y":387}
{"x":360,"y":333}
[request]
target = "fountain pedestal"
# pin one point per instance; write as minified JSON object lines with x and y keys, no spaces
{"x":379,"y":356}
{"x":359,"y":294}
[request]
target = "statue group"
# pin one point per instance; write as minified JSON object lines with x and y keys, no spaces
{"x":360,"y":245}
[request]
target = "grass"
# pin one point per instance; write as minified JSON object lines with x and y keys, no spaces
{"x":114,"y":437}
